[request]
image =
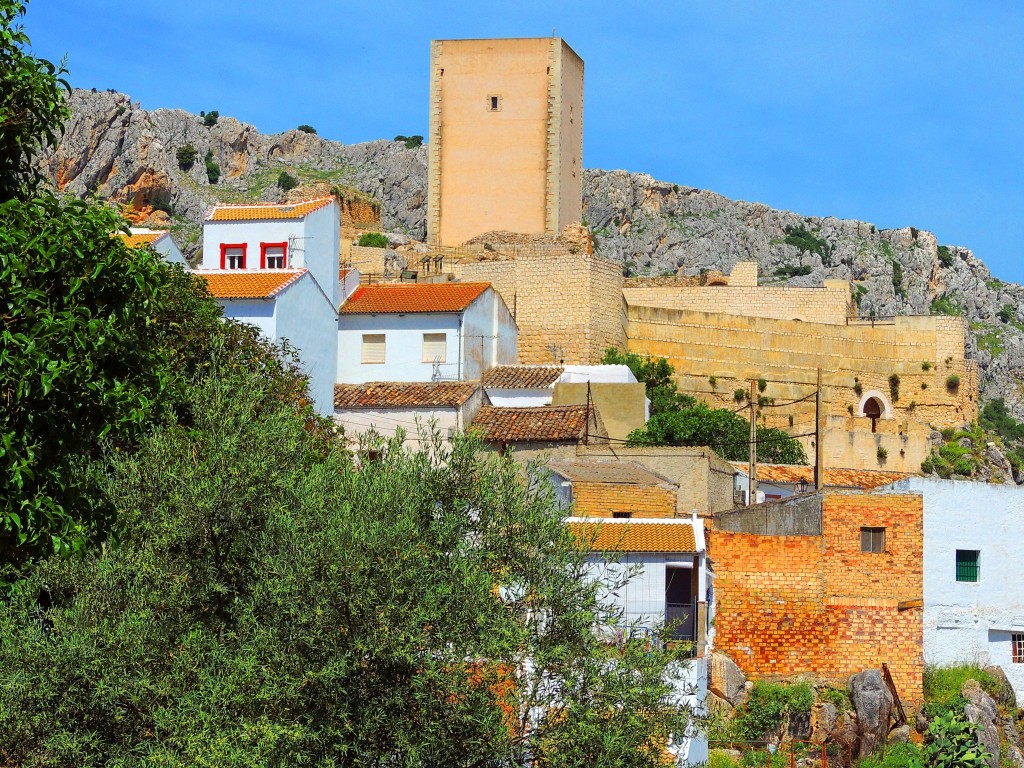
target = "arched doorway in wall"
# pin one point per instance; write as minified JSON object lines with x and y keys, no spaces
{"x":874,"y":405}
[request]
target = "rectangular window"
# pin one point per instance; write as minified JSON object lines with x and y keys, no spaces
{"x":494,"y":103}
{"x":872,"y":539}
{"x":232,"y":255}
{"x":272,"y":255}
{"x":435,"y":347}
{"x":622,"y":515}
{"x":373,"y":348}
{"x":1017,"y":648}
{"x":968,"y":565}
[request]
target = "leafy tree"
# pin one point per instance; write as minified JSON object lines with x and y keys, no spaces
{"x":656,"y":374}
{"x":307,"y":129}
{"x":269,"y":603}
{"x":186,"y":157}
{"x":210,"y":118}
{"x":286,"y":181}
{"x":212,"y":168}
{"x":32,"y":108}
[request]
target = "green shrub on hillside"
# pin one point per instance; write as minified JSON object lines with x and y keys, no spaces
{"x":372,"y":240}
{"x":186,"y":157}
{"x":307,"y":128}
{"x":768,"y":705}
{"x":286,"y":181}
{"x":210,"y":118}
{"x":212,"y":169}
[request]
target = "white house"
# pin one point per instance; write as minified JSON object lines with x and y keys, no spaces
{"x":525,"y":386}
{"x":973,"y":574}
{"x":159,"y":240}
{"x":423,"y":332}
{"x":276,"y":266}
{"x":389,"y":406}
{"x":668,"y":559}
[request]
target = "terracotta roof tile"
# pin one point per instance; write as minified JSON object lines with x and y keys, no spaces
{"x":790,"y":474}
{"x":402,"y":394}
{"x":522,"y":376}
{"x":611,"y":535}
{"x":615,"y":472}
{"x":139,"y":239}
{"x":246,"y":284}
{"x":267,"y":211}
{"x":385,"y":298}
{"x":562,"y":423}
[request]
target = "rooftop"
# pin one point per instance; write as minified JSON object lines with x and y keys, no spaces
{"x":244,"y":284}
{"x":562,"y":423}
{"x":522,"y":376}
{"x":399,"y":298}
{"x":267,"y":211}
{"x":401,"y":394}
{"x":612,"y":535}
{"x":791,"y":474}
{"x":139,"y":238}
{"x":616,"y":472}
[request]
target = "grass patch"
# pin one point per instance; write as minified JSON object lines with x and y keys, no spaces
{"x":942,"y":686}
{"x":768,"y":704}
{"x":992,"y":342}
{"x":946,"y":305}
{"x":894,"y":756}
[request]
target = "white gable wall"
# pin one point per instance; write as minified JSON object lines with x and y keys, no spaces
{"x":490,"y":336}
{"x":307,"y":319}
{"x":403,"y":346}
{"x":258,"y":312}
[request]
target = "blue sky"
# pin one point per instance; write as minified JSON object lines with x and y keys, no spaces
{"x":898,"y":113}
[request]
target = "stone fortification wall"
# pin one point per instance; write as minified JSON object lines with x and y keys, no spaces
{"x":829,"y":304}
{"x":790,"y":605}
{"x":569,"y":307}
{"x":716,"y":354}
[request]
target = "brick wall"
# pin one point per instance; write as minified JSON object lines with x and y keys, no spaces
{"x":603,"y":499}
{"x":789,"y":605}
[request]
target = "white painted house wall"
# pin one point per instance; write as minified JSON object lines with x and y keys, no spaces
{"x":972,"y":621}
{"x":306,"y":319}
{"x":387,"y":421}
{"x":520,"y":398}
{"x":258,"y":312}
{"x":403,"y":346}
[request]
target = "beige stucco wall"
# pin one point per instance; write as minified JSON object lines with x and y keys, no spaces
{"x":622,"y":406}
{"x":505,"y":169}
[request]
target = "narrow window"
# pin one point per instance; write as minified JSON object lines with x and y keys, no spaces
{"x":435,"y":347}
{"x":373,"y":348}
{"x":272,"y":255}
{"x":968,"y":567}
{"x":494,"y":103}
{"x":872,"y":539}
{"x":232,"y":255}
{"x":622,"y":515}
{"x":1017,"y":648}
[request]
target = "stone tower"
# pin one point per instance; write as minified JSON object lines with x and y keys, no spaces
{"x":506,"y":138}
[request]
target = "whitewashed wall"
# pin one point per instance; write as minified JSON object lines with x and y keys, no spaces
{"x":258,"y":312}
{"x":403,"y":346}
{"x":520,"y":398}
{"x":307,"y":319}
{"x":965,"y":621}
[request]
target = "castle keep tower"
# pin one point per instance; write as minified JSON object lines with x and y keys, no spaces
{"x":506,"y":138}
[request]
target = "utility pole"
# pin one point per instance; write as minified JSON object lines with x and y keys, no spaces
{"x":586,"y":429}
{"x":819,"y":435}
{"x":752,"y":468}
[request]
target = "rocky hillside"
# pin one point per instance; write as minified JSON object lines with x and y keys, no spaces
{"x":116,"y":150}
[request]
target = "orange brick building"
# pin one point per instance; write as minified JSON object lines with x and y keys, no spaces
{"x":825,"y":584}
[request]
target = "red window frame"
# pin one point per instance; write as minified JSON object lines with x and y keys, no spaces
{"x":1017,"y":647}
{"x":263,"y":253}
{"x":224,"y":253}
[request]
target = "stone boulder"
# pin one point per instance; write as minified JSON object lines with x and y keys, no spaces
{"x":726,"y":680}
{"x":981,"y":710}
{"x":823,"y":721}
{"x":1005,"y":694}
{"x":873,"y":702}
{"x":846,"y":737}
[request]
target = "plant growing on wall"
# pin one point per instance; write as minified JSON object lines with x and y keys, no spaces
{"x":858,"y":389}
{"x":894,"y":386}
{"x":881,"y":454}
{"x":762,"y":385}
{"x":952,"y":382}
{"x":926,"y":366}
{"x":739,"y":395}
{"x":713,"y":382}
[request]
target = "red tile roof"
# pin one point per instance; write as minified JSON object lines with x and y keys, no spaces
{"x":245,"y":284}
{"x":791,"y":474}
{"x":522,"y":376}
{"x":562,"y":423}
{"x":609,"y":535}
{"x":392,"y":298}
{"x":138,"y":239}
{"x":267,"y":211}
{"x":401,"y":394}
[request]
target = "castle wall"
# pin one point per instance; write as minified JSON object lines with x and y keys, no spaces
{"x":790,"y":605}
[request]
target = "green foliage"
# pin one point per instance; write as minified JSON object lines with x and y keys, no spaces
{"x":995,"y":416}
{"x":718,"y":759}
{"x":212,"y":169}
{"x":713,"y":382}
{"x":926,"y":366}
{"x":80,"y":361}
{"x":882,"y":455}
{"x":946,"y":305}
{"x":945,"y":256}
{"x":894,"y":386}
{"x":210,"y":118}
{"x":725,"y":432}
{"x":32,"y":106}
{"x":897,"y":279}
{"x":739,"y":395}
{"x":858,"y":388}
{"x":991,"y":341}
{"x":656,"y":375}
{"x":951,"y":743}
{"x":793,"y":271}
{"x":894,"y":756}
{"x":943,"y":686}
{"x":762,"y":385}
{"x":307,"y":129}
{"x":411,"y":142}
{"x":838,"y":697}
{"x":372,"y":240}
{"x":952,"y":382}
{"x":808,"y":242}
{"x":1006,"y":313}
{"x":286,"y":181}
{"x":768,"y":705}
{"x":186,"y":157}
{"x":268,"y":603}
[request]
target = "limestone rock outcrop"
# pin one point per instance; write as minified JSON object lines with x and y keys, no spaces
{"x":873,"y":702}
{"x":981,"y":710}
